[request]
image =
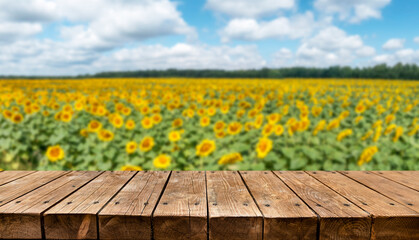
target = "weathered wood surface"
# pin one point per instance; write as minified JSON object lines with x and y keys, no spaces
{"x":285,"y":214}
{"x":209,"y":205}
{"x":232,"y":212}
{"x":339,"y":218}
{"x":128,"y":215}
{"x":182,"y":210}
{"x":390,"y":221}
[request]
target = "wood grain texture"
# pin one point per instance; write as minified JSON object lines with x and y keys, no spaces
{"x":21,"y":218}
{"x":407,"y":178}
{"x":182,"y":209}
{"x":389,"y":221}
{"x":285,"y":215}
{"x":389,"y":188}
{"x":22,"y":186}
{"x":232,"y":211}
{"x":8,"y":176}
{"x":128,"y":215}
{"x":339,"y":218}
{"x":75,"y":216}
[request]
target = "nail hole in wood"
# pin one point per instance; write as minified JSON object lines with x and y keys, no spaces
{"x":392,"y":204}
{"x":95,"y":202}
{"x":297,"y":204}
{"x":267,"y":205}
{"x":197,"y":203}
{"x":18,"y":201}
{"x":345,"y":204}
{"x":364,"y":204}
{"x":266,"y":172}
{"x":245,"y":204}
{"x":46,"y":201}
{"x":244,"y":172}
{"x":314,"y":172}
{"x":410,"y":204}
{"x":69,"y":203}
{"x":214,"y":204}
{"x":165,"y":203}
{"x":318,"y":205}
{"x":146,"y":203}
{"x":116,"y":203}
{"x":212,"y":171}
{"x":333,"y":172}
{"x":73,"y":186}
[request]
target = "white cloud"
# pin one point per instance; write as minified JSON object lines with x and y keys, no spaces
{"x":101,"y":22}
{"x":394,"y":43}
{"x":416,"y":40}
{"x":10,"y":31}
{"x":352,"y":10}
{"x":45,"y":57}
{"x":249,"y":8}
{"x":282,"y":58}
{"x":297,"y":26}
{"x":404,"y":56}
{"x":332,"y":46}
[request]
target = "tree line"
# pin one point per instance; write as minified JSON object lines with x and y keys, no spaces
{"x":381,"y":71}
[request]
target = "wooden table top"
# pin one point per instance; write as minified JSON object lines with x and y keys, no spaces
{"x":209,"y":205}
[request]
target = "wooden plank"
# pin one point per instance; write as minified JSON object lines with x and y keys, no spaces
{"x":231,"y":210}
{"x":182,"y":209}
{"x":21,"y":186}
{"x":391,"y":189}
{"x":285,"y":215}
{"x":75,"y":216}
{"x":8,"y":176}
{"x":389,"y":221}
{"x":21,"y":219}
{"x":407,"y":178}
{"x":128,"y":215}
{"x":339,"y":218}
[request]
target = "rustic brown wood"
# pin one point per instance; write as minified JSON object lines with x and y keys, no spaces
{"x":232,"y":212}
{"x":128,"y":215}
{"x":285,"y":215}
{"x":8,"y":176}
{"x":407,"y":178}
{"x":389,"y":221}
{"x":389,"y":188}
{"x":339,"y":218}
{"x":182,"y":209}
{"x":21,"y":218}
{"x":21,"y":186}
{"x":75,"y":216}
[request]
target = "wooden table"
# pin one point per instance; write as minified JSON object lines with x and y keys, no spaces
{"x":209,"y":205}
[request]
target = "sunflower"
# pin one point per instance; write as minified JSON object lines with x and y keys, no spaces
{"x":343,"y":134}
{"x":219,"y":126}
{"x":268,"y":129}
{"x":131,"y":168}
{"x":66,"y":116}
{"x":156,"y":118}
{"x":335,"y":123}
{"x":17,"y":118}
{"x":130,"y":124}
{"x":274,"y":118}
{"x":146,"y":144}
{"x":397,"y":134}
{"x":234,"y":128}
{"x":220,"y":134}
{"x":105,"y":135}
{"x":360,"y":108}
{"x":131,"y":147}
{"x":55,"y":153}
{"x":230,"y":158}
{"x":117,"y":121}
{"x":147,"y":123}
{"x":358,"y":119}
{"x":126,"y":111}
{"x":367,"y":154}
{"x":162,"y":161}
{"x":205,"y":121}
{"x":174,"y":136}
{"x":205,"y":148}
{"x":45,"y":113}
{"x":279,"y":130}
{"x":316,"y":111}
{"x":94,"y":126}
{"x":263,"y":147}
{"x":390,"y":118}
{"x":178,"y":122}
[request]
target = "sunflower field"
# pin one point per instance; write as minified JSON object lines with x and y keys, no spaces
{"x":209,"y":124}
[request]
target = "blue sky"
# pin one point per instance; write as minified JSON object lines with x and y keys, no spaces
{"x":61,"y":37}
